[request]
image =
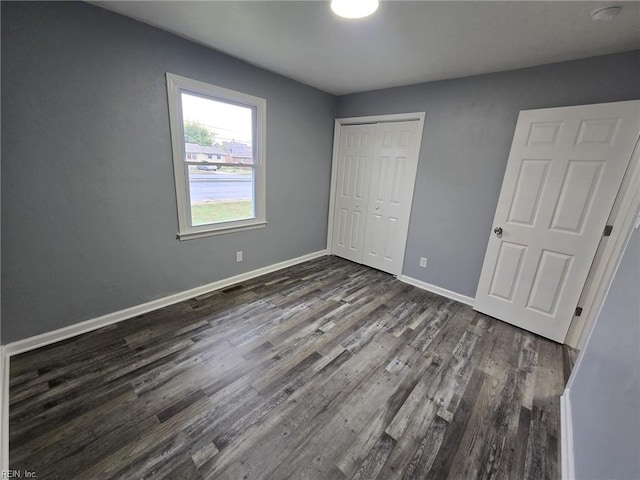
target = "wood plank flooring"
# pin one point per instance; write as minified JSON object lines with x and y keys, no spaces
{"x":325,"y":370}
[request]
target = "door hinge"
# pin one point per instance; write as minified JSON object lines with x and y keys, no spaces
{"x":578,"y":312}
{"x":607,"y":230}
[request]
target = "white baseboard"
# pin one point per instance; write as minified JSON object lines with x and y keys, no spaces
{"x":566,"y":437}
{"x":458,"y":297}
{"x":21,"y":346}
{"x":4,"y":410}
{"x":48,"y":338}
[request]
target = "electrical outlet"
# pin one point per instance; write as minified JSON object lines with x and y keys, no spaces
{"x":423,"y":262}
{"x":239,"y":256}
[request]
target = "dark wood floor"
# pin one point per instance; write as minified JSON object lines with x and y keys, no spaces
{"x":325,"y":370}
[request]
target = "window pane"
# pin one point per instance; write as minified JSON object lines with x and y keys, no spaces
{"x":216,"y":131}
{"x":220,"y":194}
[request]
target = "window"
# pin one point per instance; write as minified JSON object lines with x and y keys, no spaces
{"x":228,"y":194}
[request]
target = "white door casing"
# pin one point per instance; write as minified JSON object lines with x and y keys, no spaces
{"x":352,"y":190}
{"x":393,"y":172}
{"x":564,"y":171}
{"x":624,"y":215}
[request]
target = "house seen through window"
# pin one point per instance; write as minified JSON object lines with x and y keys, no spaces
{"x":218,"y":157}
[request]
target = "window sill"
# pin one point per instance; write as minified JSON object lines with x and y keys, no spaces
{"x":182,"y":236}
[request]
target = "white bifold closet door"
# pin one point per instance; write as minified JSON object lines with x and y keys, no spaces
{"x":376,"y":172}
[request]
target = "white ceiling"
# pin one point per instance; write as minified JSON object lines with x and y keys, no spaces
{"x":402,"y":43}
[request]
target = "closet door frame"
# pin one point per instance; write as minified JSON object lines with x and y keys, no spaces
{"x":371,"y":119}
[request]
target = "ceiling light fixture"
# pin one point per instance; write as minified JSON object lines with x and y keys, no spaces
{"x":354,"y":8}
{"x":605,"y":14}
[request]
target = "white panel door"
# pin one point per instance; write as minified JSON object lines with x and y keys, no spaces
{"x":394,"y":164}
{"x":564,"y":171}
{"x":352,"y":189}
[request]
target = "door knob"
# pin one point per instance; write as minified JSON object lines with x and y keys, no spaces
{"x":497,"y":231}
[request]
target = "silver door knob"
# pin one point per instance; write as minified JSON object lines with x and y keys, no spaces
{"x":497,"y":231}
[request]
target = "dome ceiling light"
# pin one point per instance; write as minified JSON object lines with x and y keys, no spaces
{"x":354,"y":8}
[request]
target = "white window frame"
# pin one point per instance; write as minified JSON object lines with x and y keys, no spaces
{"x":176,"y":85}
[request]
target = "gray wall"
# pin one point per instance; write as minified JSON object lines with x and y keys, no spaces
{"x":88,"y":202}
{"x":605,"y":386}
{"x":467,"y":137}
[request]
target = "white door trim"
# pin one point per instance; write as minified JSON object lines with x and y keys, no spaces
{"x":566,"y":438}
{"x":396,"y":117}
{"x":4,"y":410}
{"x":624,"y":216}
{"x":393,"y":117}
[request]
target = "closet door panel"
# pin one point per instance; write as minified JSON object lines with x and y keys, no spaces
{"x":394,"y":164}
{"x":352,"y":190}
